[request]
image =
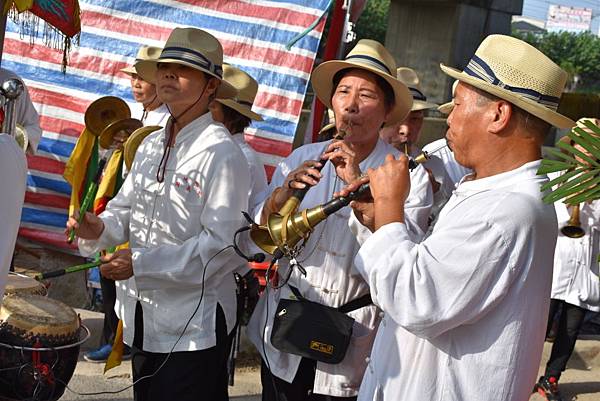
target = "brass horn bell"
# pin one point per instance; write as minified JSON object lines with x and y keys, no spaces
{"x":573,"y":227}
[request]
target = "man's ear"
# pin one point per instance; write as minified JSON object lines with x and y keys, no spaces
{"x":501,"y":112}
{"x":212,"y":86}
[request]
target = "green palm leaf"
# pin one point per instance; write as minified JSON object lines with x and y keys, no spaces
{"x":580,"y":181}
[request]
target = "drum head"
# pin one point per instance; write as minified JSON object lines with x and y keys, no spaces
{"x":31,"y":317}
{"x":20,"y":284}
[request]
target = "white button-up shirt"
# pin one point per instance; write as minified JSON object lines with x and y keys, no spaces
{"x":575,"y":279}
{"x":258,"y":176}
{"x":158,"y":116}
{"x":454,"y":170}
{"x":466,"y":309}
{"x":174,"y":228}
{"x":331,"y":277}
{"x":13,"y":173}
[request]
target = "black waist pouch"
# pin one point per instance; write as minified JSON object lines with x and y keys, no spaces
{"x":312,"y":330}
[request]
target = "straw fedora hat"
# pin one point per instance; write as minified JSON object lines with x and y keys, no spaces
{"x":104,"y":111}
{"x":247,"y":88}
{"x":411,"y":79}
{"x":518,"y":73}
{"x":127,"y":124}
{"x":144,"y":53}
{"x":194,"y":48}
{"x":133,"y":143}
{"x":371,"y":56}
{"x":446,"y":108}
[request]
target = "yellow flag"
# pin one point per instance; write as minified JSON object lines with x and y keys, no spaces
{"x":116,"y":355}
{"x":21,"y":5}
{"x":77,"y":166}
{"x":108,"y":186}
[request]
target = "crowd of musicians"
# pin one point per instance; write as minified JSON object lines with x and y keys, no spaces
{"x":455,"y":256}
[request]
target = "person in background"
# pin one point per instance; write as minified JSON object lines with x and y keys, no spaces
{"x":236,"y":115}
{"x":26,"y":115}
{"x":575,"y":283}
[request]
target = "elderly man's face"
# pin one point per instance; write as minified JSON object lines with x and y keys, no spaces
{"x":467,"y":126}
{"x":359,"y":106}
{"x":407,"y":132}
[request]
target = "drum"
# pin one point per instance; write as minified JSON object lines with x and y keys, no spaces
{"x":20,"y":284}
{"x":39,"y":346}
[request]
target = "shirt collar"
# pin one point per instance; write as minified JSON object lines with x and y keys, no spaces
{"x":507,"y":179}
{"x":194,"y":128}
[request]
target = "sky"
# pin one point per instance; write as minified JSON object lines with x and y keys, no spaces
{"x":538,"y":9}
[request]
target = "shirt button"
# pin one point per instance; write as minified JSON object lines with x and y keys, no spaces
{"x":367,"y":359}
{"x":381,"y":314}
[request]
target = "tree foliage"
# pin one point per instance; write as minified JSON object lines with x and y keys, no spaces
{"x":372,"y":24}
{"x":576,"y":53}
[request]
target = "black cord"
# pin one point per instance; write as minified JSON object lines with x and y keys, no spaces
{"x":172,"y":348}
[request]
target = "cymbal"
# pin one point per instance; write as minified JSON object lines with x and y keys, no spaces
{"x":126,"y":124}
{"x":134,"y":141}
{"x":103,"y":111}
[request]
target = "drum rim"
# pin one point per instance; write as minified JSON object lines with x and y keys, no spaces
{"x":86,"y":336}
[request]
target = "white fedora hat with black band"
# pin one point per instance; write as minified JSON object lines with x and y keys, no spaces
{"x":144,"y":53}
{"x":371,"y":56}
{"x":411,"y":79}
{"x":517,"y":72}
{"x":194,"y":48}
{"x":247,"y":88}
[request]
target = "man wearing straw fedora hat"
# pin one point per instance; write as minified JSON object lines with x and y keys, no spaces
{"x":364,"y":94}
{"x":150,"y":111}
{"x":148,"y":107}
{"x":465,"y":309}
{"x":178,"y":208}
{"x":236,"y":114}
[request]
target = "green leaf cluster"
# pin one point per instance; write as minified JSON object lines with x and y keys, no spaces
{"x":581,"y":178}
{"x":373,"y":22}
{"x":576,"y":53}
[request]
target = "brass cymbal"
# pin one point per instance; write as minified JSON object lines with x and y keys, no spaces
{"x":134,"y":141}
{"x":103,"y":111}
{"x":126,"y":124}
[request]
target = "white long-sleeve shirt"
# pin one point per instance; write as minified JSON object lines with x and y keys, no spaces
{"x":25,"y":113}
{"x":331,"y":277}
{"x":575,"y":279}
{"x":455,"y":171}
{"x":258,"y":176}
{"x":466,"y":309}
{"x":158,"y":116}
{"x":173,"y":229}
{"x":13,"y":176}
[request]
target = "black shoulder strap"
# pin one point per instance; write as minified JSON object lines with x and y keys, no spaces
{"x":353,"y":305}
{"x":357,"y":303}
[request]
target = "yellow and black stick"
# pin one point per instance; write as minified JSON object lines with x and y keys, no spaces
{"x":62,"y":272}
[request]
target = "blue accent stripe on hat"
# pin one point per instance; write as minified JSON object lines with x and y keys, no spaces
{"x":192,"y":57}
{"x":372,"y":61}
{"x":417,"y":94}
{"x":478,"y":68}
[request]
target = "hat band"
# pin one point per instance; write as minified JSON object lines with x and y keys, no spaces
{"x":478,"y":68}
{"x":243,"y":102}
{"x":192,"y":57}
{"x":417,"y":94}
{"x":373,"y":62}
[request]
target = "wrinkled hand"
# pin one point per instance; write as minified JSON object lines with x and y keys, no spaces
{"x":364,"y":208}
{"x":390,"y":185}
{"x":343,"y":157}
{"x":91,"y":226}
{"x":117,"y":266}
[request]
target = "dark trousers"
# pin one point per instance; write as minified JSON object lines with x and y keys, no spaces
{"x":109,"y":297}
{"x":275,"y":389}
{"x":569,"y":324}
{"x":186,"y":376}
